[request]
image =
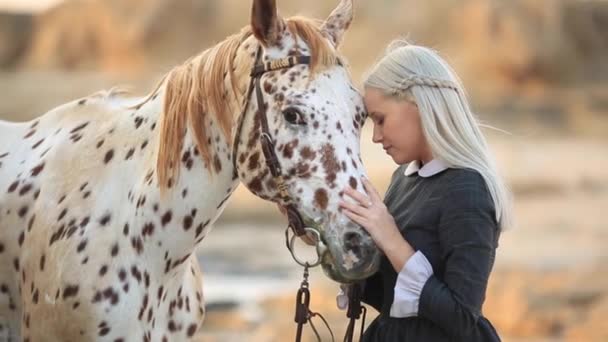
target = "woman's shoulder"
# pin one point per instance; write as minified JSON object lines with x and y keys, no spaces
{"x":466,"y":182}
{"x":467,"y":199}
{"x":464,"y":176}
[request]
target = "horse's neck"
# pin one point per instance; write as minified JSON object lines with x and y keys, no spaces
{"x":186,"y":210}
{"x":168,"y":226}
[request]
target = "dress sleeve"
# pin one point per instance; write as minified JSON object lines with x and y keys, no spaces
{"x":468,"y":238}
{"x":410,"y":281}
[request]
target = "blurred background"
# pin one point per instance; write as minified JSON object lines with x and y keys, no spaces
{"x":534,"y":68}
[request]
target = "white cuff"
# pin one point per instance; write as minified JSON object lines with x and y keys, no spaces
{"x":410,"y":281}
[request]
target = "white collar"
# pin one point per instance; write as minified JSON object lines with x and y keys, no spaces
{"x":429,"y":169}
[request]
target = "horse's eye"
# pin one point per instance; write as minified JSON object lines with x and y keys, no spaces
{"x":293,"y":116}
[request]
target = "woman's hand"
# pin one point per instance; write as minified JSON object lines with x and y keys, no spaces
{"x":371,"y":213}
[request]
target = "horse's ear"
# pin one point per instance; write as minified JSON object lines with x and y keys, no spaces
{"x":338,"y":21}
{"x":265,"y":21}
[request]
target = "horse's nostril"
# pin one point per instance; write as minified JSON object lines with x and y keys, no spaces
{"x":352,"y":239}
{"x":352,"y":242}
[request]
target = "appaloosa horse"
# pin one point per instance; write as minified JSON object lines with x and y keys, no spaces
{"x":104,"y":200}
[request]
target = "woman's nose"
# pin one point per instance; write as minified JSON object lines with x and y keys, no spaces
{"x":377,"y":136}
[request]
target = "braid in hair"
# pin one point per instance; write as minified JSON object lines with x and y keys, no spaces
{"x":418,"y":80}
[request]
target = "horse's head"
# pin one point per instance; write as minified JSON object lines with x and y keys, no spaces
{"x":312,"y":116}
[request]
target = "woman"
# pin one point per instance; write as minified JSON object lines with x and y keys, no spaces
{"x":444,"y":210}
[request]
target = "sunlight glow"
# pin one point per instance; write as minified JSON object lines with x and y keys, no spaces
{"x":26,"y":5}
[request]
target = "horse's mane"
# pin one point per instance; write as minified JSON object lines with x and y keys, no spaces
{"x":197,"y":88}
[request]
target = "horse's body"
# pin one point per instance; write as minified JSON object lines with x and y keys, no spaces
{"x":82,"y":201}
{"x":103,"y":201}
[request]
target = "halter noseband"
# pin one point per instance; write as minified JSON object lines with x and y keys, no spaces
{"x":272,"y":161}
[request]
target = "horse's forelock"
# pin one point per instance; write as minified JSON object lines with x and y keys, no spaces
{"x":322,"y":52}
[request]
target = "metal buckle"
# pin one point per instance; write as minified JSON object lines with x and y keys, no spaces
{"x":320,"y":247}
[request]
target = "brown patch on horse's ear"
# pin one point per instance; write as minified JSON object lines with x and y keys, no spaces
{"x":265,"y":21}
{"x":338,"y":22}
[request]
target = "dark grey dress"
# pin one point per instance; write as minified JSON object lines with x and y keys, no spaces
{"x":450,"y":218}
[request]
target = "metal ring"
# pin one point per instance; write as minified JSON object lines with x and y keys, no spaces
{"x":266,"y":135}
{"x":320,"y":249}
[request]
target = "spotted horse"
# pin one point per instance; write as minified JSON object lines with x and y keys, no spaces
{"x":105,"y":199}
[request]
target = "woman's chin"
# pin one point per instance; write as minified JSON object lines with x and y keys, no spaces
{"x":401,"y":159}
{"x":398,"y":159}
{"x":391,"y":152}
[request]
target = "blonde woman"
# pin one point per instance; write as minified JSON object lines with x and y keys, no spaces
{"x":444,"y":210}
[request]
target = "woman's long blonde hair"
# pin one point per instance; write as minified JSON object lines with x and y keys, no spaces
{"x":420,"y":75}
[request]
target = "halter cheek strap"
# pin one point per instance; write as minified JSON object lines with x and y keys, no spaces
{"x":268,"y":148}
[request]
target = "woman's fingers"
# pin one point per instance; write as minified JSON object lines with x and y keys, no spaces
{"x":359,"y":197}
{"x":371,"y":191}
{"x":357,"y":209}
{"x":360,"y":220}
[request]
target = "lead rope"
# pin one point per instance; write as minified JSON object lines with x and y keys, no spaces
{"x":304,"y":314}
{"x":355,"y":311}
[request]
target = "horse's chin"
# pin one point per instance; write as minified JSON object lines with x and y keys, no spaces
{"x":342,"y":272}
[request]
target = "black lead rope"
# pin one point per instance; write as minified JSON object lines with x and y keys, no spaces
{"x":354,"y":312}
{"x":304,"y":314}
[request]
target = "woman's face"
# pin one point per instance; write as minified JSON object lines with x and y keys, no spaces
{"x":397,"y":127}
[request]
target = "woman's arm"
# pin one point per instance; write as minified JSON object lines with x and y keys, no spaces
{"x":468,"y":235}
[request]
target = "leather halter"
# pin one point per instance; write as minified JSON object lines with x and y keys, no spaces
{"x":303,"y":312}
{"x":272,"y":161}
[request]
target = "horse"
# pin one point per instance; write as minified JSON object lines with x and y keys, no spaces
{"x":105,"y":199}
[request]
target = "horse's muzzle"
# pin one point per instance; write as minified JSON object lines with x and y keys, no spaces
{"x":350,"y":258}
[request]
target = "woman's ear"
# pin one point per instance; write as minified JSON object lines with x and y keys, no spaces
{"x":338,"y":22}
{"x":265,"y":22}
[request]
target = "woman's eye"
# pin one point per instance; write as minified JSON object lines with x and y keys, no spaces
{"x":293,"y":116}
